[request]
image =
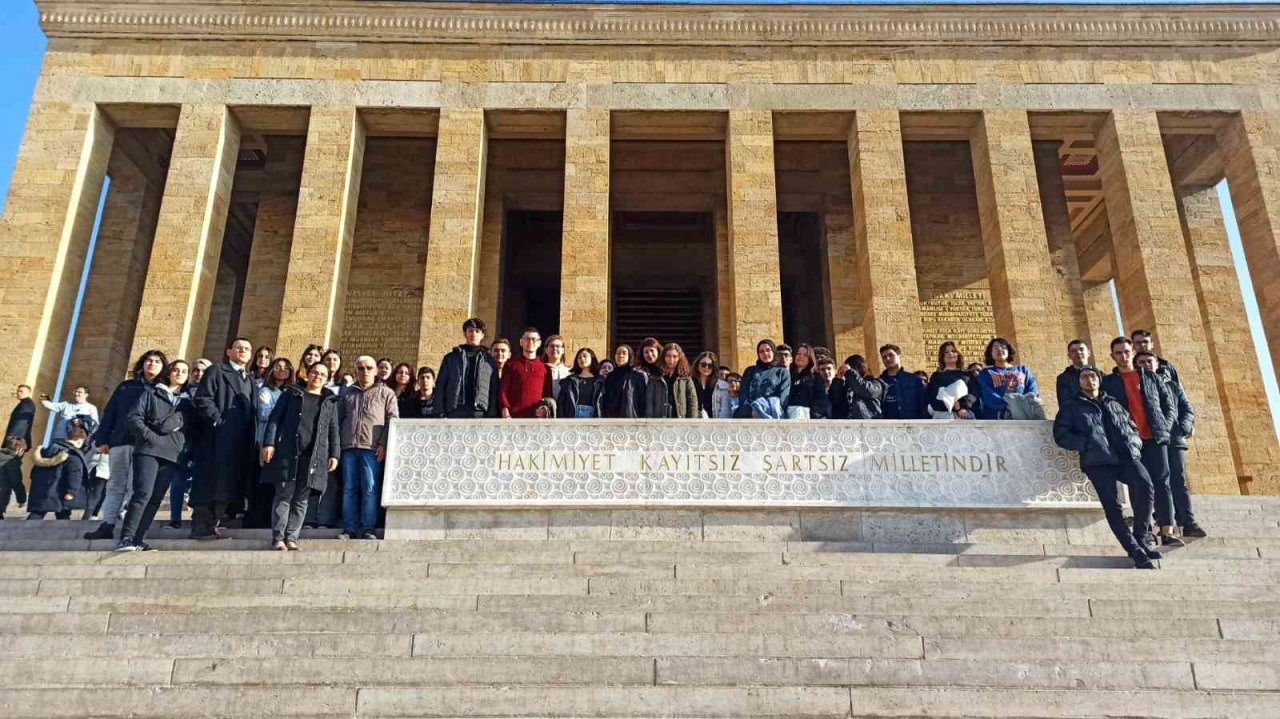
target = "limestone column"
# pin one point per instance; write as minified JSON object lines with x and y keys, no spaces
{"x":1154,"y":281}
{"x":1250,"y":148}
{"x":489,"y":280}
{"x":320,"y":252}
{"x":268,"y":268}
{"x":1024,"y":295}
{"x":844,"y":314}
{"x":178,"y":291}
{"x":753,"y":233}
{"x":453,"y":246}
{"x":1240,"y":389}
{"x":887,"y":289}
{"x":1062,"y":245}
{"x":1100,"y":309}
{"x":726,"y":347}
{"x":45,"y":234}
{"x":584,"y":254}
{"x":104,"y":333}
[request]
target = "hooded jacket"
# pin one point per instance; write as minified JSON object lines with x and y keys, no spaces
{"x":58,"y":470}
{"x":761,"y":381}
{"x":1157,"y":400}
{"x":158,"y":423}
{"x":1099,"y":429}
{"x":282,"y":433}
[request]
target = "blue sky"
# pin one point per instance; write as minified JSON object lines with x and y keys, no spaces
{"x":25,"y":46}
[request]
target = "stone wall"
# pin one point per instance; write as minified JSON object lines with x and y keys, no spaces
{"x":385,"y":281}
{"x":951,"y":270}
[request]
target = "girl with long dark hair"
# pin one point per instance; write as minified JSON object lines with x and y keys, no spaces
{"x":624,"y":388}
{"x":706,"y":382}
{"x":580,"y":393}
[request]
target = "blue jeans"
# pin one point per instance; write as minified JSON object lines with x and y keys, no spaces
{"x":360,"y":470}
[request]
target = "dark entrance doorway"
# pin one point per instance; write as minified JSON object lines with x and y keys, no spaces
{"x":802,"y":260}
{"x":530,"y":294}
{"x":664,"y":278}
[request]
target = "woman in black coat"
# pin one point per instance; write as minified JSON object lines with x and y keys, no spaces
{"x":157,"y":425}
{"x":807,"y":388}
{"x":624,"y":388}
{"x":299,"y":450}
{"x":58,"y":474}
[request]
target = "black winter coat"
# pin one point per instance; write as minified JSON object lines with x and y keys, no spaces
{"x":1100,"y":430}
{"x":113,"y":430}
{"x":157,"y":425}
{"x":58,"y":470}
{"x":624,"y":394}
{"x":1162,"y":410}
{"x":226,"y":407}
{"x":947,"y":377}
{"x":450,"y":397}
{"x":567,"y":397}
{"x":282,"y":433}
{"x":808,"y":390}
{"x":763,"y":380}
{"x":21,"y":419}
{"x":863,"y":396}
{"x":1185,"y":422}
{"x":1068,"y":384}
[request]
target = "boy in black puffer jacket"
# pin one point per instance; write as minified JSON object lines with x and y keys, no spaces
{"x":1098,"y":427}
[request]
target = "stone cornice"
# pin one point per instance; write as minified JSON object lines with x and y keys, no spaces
{"x":510,"y":23}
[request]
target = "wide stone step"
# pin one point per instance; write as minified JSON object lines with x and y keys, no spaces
{"x":314,"y":702}
{"x":376,"y":622}
{"x":216,"y":645}
{"x":1089,"y":649}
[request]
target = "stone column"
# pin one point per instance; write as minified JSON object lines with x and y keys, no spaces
{"x":1062,"y":245}
{"x":1024,"y":295}
{"x":887,"y":289}
{"x":268,"y":269}
{"x":48,"y":222}
{"x":1240,"y":389}
{"x":584,"y":254}
{"x":1250,"y":149}
{"x":753,"y":233}
{"x":726,"y":344}
{"x":320,"y":253}
{"x":489,"y":280}
{"x":104,"y":333}
{"x":844,"y":315}
{"x":1153,"y":277}
{"x":453,"y":246}
{"x":1100,"y":309}
{"x":178,"y":292}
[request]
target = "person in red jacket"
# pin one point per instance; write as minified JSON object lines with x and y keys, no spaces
{"x":526,"y":381}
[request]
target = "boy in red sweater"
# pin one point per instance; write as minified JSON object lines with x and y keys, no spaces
{"x":526,"y":381}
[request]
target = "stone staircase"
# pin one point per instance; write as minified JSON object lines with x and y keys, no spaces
{"x":641,"y":628}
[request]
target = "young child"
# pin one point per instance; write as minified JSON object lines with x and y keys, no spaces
{"x":11,"y":472}
{"x":724,"y":400}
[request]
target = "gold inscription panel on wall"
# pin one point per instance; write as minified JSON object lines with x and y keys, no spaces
{"x":963,"y":316}
{"x":382,"y":321}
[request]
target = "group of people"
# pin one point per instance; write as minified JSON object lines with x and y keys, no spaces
{"x":276,"y":444}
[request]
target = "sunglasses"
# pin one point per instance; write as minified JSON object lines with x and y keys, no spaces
{"x":704,"y":364}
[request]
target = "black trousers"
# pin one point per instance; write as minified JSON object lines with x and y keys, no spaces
{"x":1155,"y":457}
{"x":260,"y":498}
{"x":1182,"y":513}
{"x":204,"y":518}
{"x":1106,"y":481}
{"x":95,"y":490}
{"x":151,"y":479}
{"x":326,"y":509}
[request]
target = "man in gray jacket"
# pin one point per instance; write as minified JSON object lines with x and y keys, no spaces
{"x":366,"y":413}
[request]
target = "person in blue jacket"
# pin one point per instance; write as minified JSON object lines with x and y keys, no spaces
{"x":766,"y":386}
{"x":904,"y":396}
{"x":1002,"y":377}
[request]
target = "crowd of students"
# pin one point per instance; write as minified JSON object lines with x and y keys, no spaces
{"x":257,"y":438}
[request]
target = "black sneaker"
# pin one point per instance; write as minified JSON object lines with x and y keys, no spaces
{"x":1194,"y":531}
{"x":175,"y":525}
{"x":368,"y":535}
{"x":1142,"y":563}
{"x":1151,"y":552}
{"x":127,"y":545}
{"x":1169,"y":540}
{"x":104,"y":531}
{"x":144,"y":547}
